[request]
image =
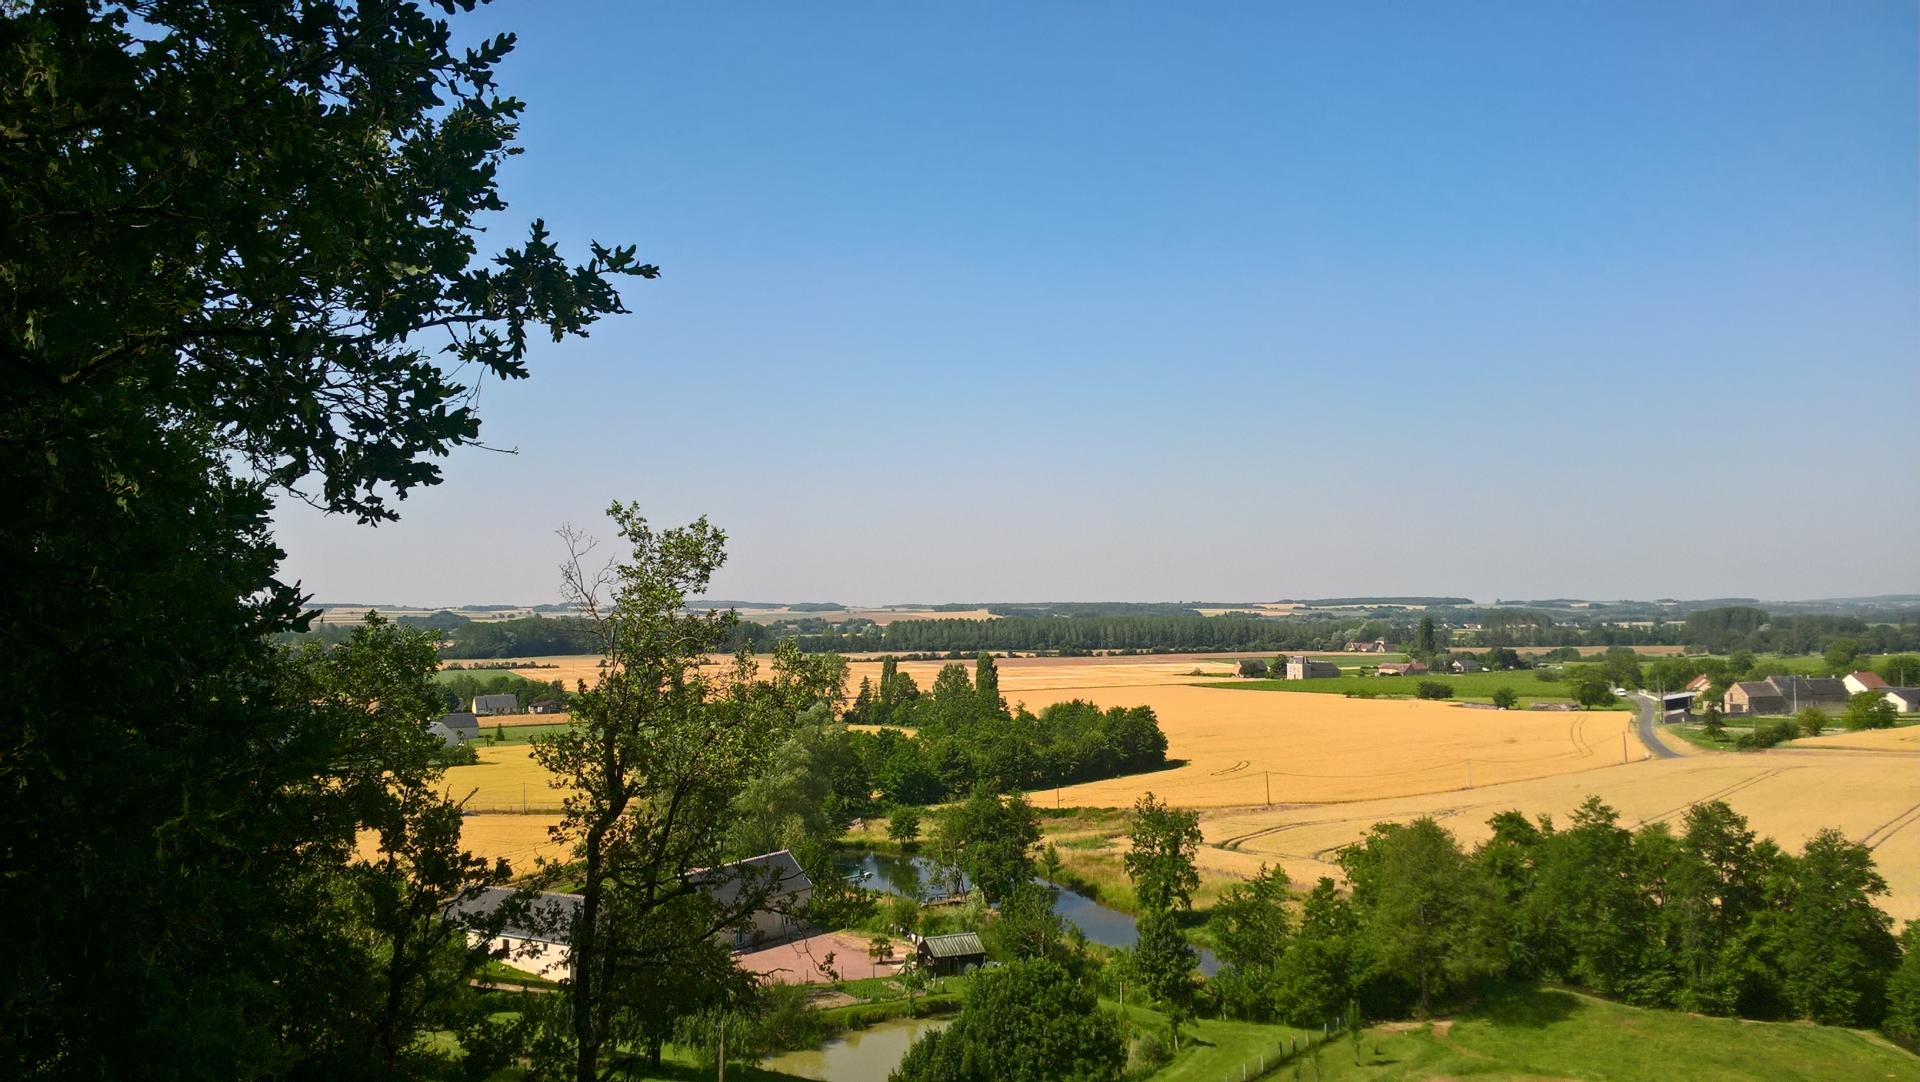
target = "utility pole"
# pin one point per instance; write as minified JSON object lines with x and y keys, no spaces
{"x":1269,"y":777}
{"x":1469,"y":773}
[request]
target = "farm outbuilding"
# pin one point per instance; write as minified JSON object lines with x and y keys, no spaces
{"x":504,"y":703}
{"x":947,"y":955}
{"x":1302,"y":667}
{"x":456,"y":728}
{"x":779,"y":877}
{"x":533,"y":930}
{"x":1904,"y":700}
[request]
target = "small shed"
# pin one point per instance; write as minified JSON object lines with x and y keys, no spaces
{"x":1467,"y":664}
{"x":504,"y":703}
{"x":946,"y":955}
{"x":546,"y":706}
{"x":1675,"y":704}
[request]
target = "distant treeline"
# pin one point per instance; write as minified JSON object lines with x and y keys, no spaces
{"x":1070,"y":631}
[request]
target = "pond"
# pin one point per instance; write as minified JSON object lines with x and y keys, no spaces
{"x":863,"y":1055}
{"x":922,"y":878}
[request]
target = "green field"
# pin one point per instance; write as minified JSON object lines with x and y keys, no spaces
{"x":1538,"y":1032}
{"x":1467,"y":687}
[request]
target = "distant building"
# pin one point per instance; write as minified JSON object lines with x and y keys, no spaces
{"x":1778,"y":695}
{"x":1377,"y":646}
{"x":779,"y":876}
{"x":1675,"y":704}
{"x":1302,"y":667}
{"x":1904,"y":700}
{"x":946,"y":955}
{"x":1699,"y":684}
{"x":455,"y":729}
{"x":535,"y":932}
{"x":1864,"y":680}
{"x":1467,"y":664}
{"x":1405,"y":668}
{"x":546,"y":706}
{"x":503,"y":703}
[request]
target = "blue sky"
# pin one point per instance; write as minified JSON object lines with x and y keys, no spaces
{"x":1088,"y":301}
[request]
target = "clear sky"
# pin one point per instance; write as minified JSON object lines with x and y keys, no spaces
{"x":1225,"y":301}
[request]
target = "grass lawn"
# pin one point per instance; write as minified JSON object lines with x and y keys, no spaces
{"x":1213,"y":1048}
{"x":515,"y":734}
{"x":1697,"y":736}
{"x":1529,"y":1031}
{"x":1475,"y":687}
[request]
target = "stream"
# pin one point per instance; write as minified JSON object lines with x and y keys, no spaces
{"x":922,"y":878}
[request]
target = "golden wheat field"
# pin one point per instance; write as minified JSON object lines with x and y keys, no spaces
{"x":1786,"y":793}
{"x":1335,"y":766}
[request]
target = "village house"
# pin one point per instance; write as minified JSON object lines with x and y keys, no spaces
{"x":1467,"y":664}
{"x":503,"y":703}
{"x":456,"y":728}
{"x":1904,"y":700}
{"x":546,"y":706}
{"x":1699,"y":684}
{"x":1864,"y":680}
{"x":1302,"y":667}
{"x":536,"y":935}
{"x":1779,"y":695}
{"x":1406,"y":668}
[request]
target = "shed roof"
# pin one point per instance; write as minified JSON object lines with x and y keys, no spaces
{"x":957,"y":945}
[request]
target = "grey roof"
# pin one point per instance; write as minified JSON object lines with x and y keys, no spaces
{"x":777,"y":873}
{"x":1815,"y":689}
{"x":461,"y":719}
{"x":505,"y":699}
{"x":1911,"y":695}
{"x":547,"y":917}
{"x":957,"y":945}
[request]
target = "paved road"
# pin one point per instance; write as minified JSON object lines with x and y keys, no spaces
{"x":1647,"y":706}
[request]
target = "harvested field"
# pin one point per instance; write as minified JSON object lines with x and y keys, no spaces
{"x":488,"y":721}
{"x":1324,"y":748}
{"x":1786,"y":793}
{"x":506,"y":779}
{"x":518,"y":839}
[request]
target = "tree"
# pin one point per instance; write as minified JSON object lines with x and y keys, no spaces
{"x":1425,"y":640}
{"x":652,"y":764}
{"x":1903,"y":987}
{"x":1433,"y":689}
{"x":1840,"y":655}
{"x":1869,"y":710}
{"x":1028,"y":1021}
{"x":1254,"y":667}
{"x":1901,"y":670}
{"x":1593,"y":692}
{"x":1711,"y":721}
{"x":241,"y":261}
{"x":1163,"y":961}
{"x":991,"y":840}
{"x":1835,"y":946}
{"x":1505,"y":698}
{"x":1160,"y":861}
{"x":1588,"y":898}
{"x":903,"y":824}
{"x":1426,"y":911}
{"x":1325,"y":964}
{"x":1813,"y":721}
{"x":986,"y":687}
{"x":1249,"y":922}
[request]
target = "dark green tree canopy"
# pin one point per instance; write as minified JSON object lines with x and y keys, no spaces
{"x":260,"y":220}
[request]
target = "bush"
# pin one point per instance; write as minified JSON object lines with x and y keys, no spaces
{"x":457,"y":755}
{"x":1547,"y":676}
{"x":1253,"y":666}
{"x":1813,"y":721}
{"x":1767,"y":734}
{"x":1505,"y":698}
{"x":1147,"y":1053}
{"x":1433,"y":689}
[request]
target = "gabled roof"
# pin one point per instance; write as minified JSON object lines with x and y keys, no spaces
{"x":546,"y":918}
{"x":460,"y":719}
{"x":957,"y":945}
{"x":1870,"y":680}
{"x":776,"y":873}
{"x":1910,"y":695}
